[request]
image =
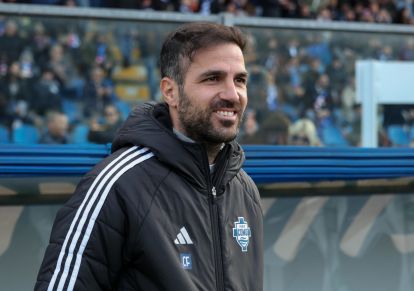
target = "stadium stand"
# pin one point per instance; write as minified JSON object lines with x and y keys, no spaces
{"x":336,"y":217}
{"x":303,"y":75}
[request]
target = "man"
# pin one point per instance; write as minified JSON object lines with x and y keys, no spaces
{"x":57,"y":129}
{"x":105,"y":132}
{"x":171,"y":208}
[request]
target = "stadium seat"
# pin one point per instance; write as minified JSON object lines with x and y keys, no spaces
{"x":72,"y":110}
{"x":25,"y":134}
{"x":398,"y":136}
{"x":332,"y":136}
{"x":79,"y":134}
{"x":131,"y":83}
{"x":123,"y":107}
{"x":412,"y":133}
{"x":4,"y":135}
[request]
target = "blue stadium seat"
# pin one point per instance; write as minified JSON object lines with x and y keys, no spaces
{"x":72,"y":109}
{"x":412,"y":133}
{"x":25,"y":134}
{"x":123,"y":107}
{"x":79,"y":134}
{"x":332,"y":136}
{"x":4,"y":134}
{"x":398,"y":136}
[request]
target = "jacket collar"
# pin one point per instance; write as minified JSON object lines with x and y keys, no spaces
{"x":150,"y":125}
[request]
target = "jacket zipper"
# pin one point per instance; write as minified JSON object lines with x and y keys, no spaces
{"x":216,"y":227}
{"x":218,"y":260}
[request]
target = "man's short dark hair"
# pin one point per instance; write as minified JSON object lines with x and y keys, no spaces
{"x":181,"y":45}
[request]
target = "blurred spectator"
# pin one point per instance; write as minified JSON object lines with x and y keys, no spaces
{"x":318,"y":96}
{"x":208,"y":7}
{"x":11,"y":43}
{"x":337,"y":74}
{"x":105,"y":132}
{"x":22,"y":115}
{"x":97,"y":48}
{"x":40,"y":42}
{"x":249,"y":129}
{"x":406,"y":52}
{"x":403,"y":16}
{"x":57,"y":129}
{"x":271,"y":8}
{"x":274,"y":130}
{"x":46,"y":95}
{"x":334,"y":9}
{"x":349,"y":101}
{"x":98,"y":92}
{"x":324,"y":14}
{"x":65,"y":72}
{"x":289,"y":8}
{"x":348,"y":13}
{"x":383,"y":16}
{"x":45,"y":2}
{"x":306,"y":11}
{"x":311,"y":76}
{"x":165,"y":5}
{"x":303,"y":133}
{"x":15,"y":87}
{"x":272,"y":55}
{"x":5,"y":118}
{"x":189,"y":6}
{"x":353,"y":127}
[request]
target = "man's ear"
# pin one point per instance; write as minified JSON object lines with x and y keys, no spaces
{"x":169,"y":91}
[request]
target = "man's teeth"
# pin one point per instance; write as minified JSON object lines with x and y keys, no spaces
{"x":226,"y":113}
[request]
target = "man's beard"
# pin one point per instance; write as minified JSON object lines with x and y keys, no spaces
{"x":197,"y":123}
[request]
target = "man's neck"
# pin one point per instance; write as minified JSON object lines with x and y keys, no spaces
{"x":212,"y":149}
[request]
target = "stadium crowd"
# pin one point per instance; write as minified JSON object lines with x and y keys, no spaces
{"x":375,"y":11}
{"x":89,"y":74}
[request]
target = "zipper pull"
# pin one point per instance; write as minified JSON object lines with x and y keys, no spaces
{"x":213,"y":192}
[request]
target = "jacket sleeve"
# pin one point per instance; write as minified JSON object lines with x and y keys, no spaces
{"x":86,"y":244}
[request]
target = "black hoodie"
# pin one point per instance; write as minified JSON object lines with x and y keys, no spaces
{"x":152,"y":217}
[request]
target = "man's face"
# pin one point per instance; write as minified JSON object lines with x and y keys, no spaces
{"x":214,"y":95}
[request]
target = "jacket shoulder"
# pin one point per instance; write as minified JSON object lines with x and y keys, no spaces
{"x":249,"y":185}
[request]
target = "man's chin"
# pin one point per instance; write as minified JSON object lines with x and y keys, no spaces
{"x":225,"y":135}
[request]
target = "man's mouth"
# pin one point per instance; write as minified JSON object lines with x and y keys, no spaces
{"x":226,"y":113}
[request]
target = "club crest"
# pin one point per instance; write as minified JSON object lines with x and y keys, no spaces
{"x":242,"y":233}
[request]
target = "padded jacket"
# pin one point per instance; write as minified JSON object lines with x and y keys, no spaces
{"x":151,"y":216}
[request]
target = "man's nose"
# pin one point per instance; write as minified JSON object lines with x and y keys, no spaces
{"x":230,"y":91}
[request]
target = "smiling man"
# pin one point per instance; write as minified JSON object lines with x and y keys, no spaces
{"x":171,"y":208}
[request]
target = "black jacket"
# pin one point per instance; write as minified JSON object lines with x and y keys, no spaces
{"x":145,"y":218}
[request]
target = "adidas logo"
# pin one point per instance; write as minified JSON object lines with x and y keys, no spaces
{"x":183,"y":238}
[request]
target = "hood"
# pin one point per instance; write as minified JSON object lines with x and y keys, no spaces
{"x":150,"y":125}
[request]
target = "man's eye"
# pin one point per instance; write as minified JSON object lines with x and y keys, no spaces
{"x":212,"y":79}
{"x":241,"y":80}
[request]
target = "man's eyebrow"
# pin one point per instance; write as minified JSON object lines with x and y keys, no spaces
{"x":244,"y":74}
{"x":212,"y":73}
{"x":220,"y":72}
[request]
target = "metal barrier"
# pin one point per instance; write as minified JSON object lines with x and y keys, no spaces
{"x":50,"y":173}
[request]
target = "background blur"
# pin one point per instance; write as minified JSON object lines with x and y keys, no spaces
{"x":70,"y":72}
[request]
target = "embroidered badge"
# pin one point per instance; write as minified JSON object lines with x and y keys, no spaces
{"x":242,"y":233}
{"x":186,"y":261}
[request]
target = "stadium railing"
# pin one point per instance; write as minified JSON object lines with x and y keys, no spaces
{"x":277,"y":170}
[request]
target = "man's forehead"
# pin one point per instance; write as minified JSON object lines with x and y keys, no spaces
{"x":215,"y":58}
